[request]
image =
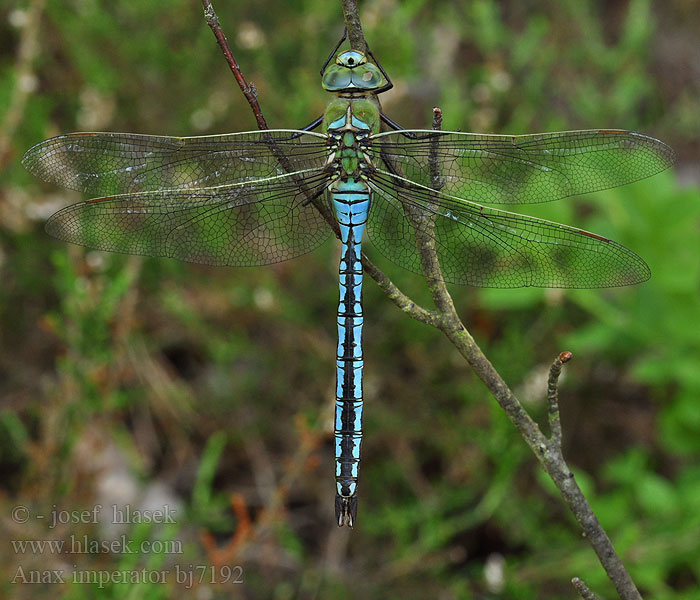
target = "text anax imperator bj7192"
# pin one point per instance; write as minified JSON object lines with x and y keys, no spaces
{"x":260,"y":197}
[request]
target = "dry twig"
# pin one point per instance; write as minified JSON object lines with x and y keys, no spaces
{"x":583,"y":590}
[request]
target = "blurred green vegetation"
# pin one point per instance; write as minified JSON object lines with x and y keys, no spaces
{"x":131,"y":380}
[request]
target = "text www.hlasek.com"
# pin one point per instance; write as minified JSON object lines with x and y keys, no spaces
{"x":84,"y":545}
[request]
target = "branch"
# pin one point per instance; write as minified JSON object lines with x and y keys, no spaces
{"x":555,"y":465}
{"x":353,"y":26}
{"x":582,"y":589}
{"x":549,"y":454}
{"x":446,"y":319}
{"x":249,"y":91}
{"x":552,"y":397}
{"x":408,"y":306}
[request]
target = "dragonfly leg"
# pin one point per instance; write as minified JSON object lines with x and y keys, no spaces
{"x":402,"y":130}
{"x":332,"y":54}
{"x":389,"y":84}
{"x":310,"y":127}
{"x":309,"y":200}
{"x":315,"y":123}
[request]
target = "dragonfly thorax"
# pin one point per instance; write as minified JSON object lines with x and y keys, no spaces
{"x":364,"y":114}
{"x":349,"y":140}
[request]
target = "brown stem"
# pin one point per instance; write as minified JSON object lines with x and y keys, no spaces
{"x":583,"y":590}
{"x":249,"y":91}
{"x":353,"y":26}
{"x":408,"y":306}
{"x":552,"y":396}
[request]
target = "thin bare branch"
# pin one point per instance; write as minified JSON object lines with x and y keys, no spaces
{"x":548,"y":452}
{"x":408,"y":306}
{"x":553,"y":396}
{"x":433,"y":163}
{"x":353,"y":26}
{"x":583,"y":590}
{"x":249,"y":91}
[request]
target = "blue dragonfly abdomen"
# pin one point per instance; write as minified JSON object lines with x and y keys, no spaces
{"x":350,"y":196}
{"x":351,"y":204}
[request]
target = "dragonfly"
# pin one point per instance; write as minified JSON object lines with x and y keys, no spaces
{"x":261,"y":197}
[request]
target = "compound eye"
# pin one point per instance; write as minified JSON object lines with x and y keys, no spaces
{"x":351,"y":59}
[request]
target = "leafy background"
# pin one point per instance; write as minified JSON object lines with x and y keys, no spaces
{"x":150,"y":382}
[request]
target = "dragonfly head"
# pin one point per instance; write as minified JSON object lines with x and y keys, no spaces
{"x":353,"y":73}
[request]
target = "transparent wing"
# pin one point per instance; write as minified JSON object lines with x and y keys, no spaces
{"x":254,"y":223}
{"x":116,"y":163}
{"x":521,"y":169}
{"x":487,"y":247}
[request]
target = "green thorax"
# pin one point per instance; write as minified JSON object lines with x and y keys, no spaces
{"x":362,"y":116}
{"x":349,"y":123}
